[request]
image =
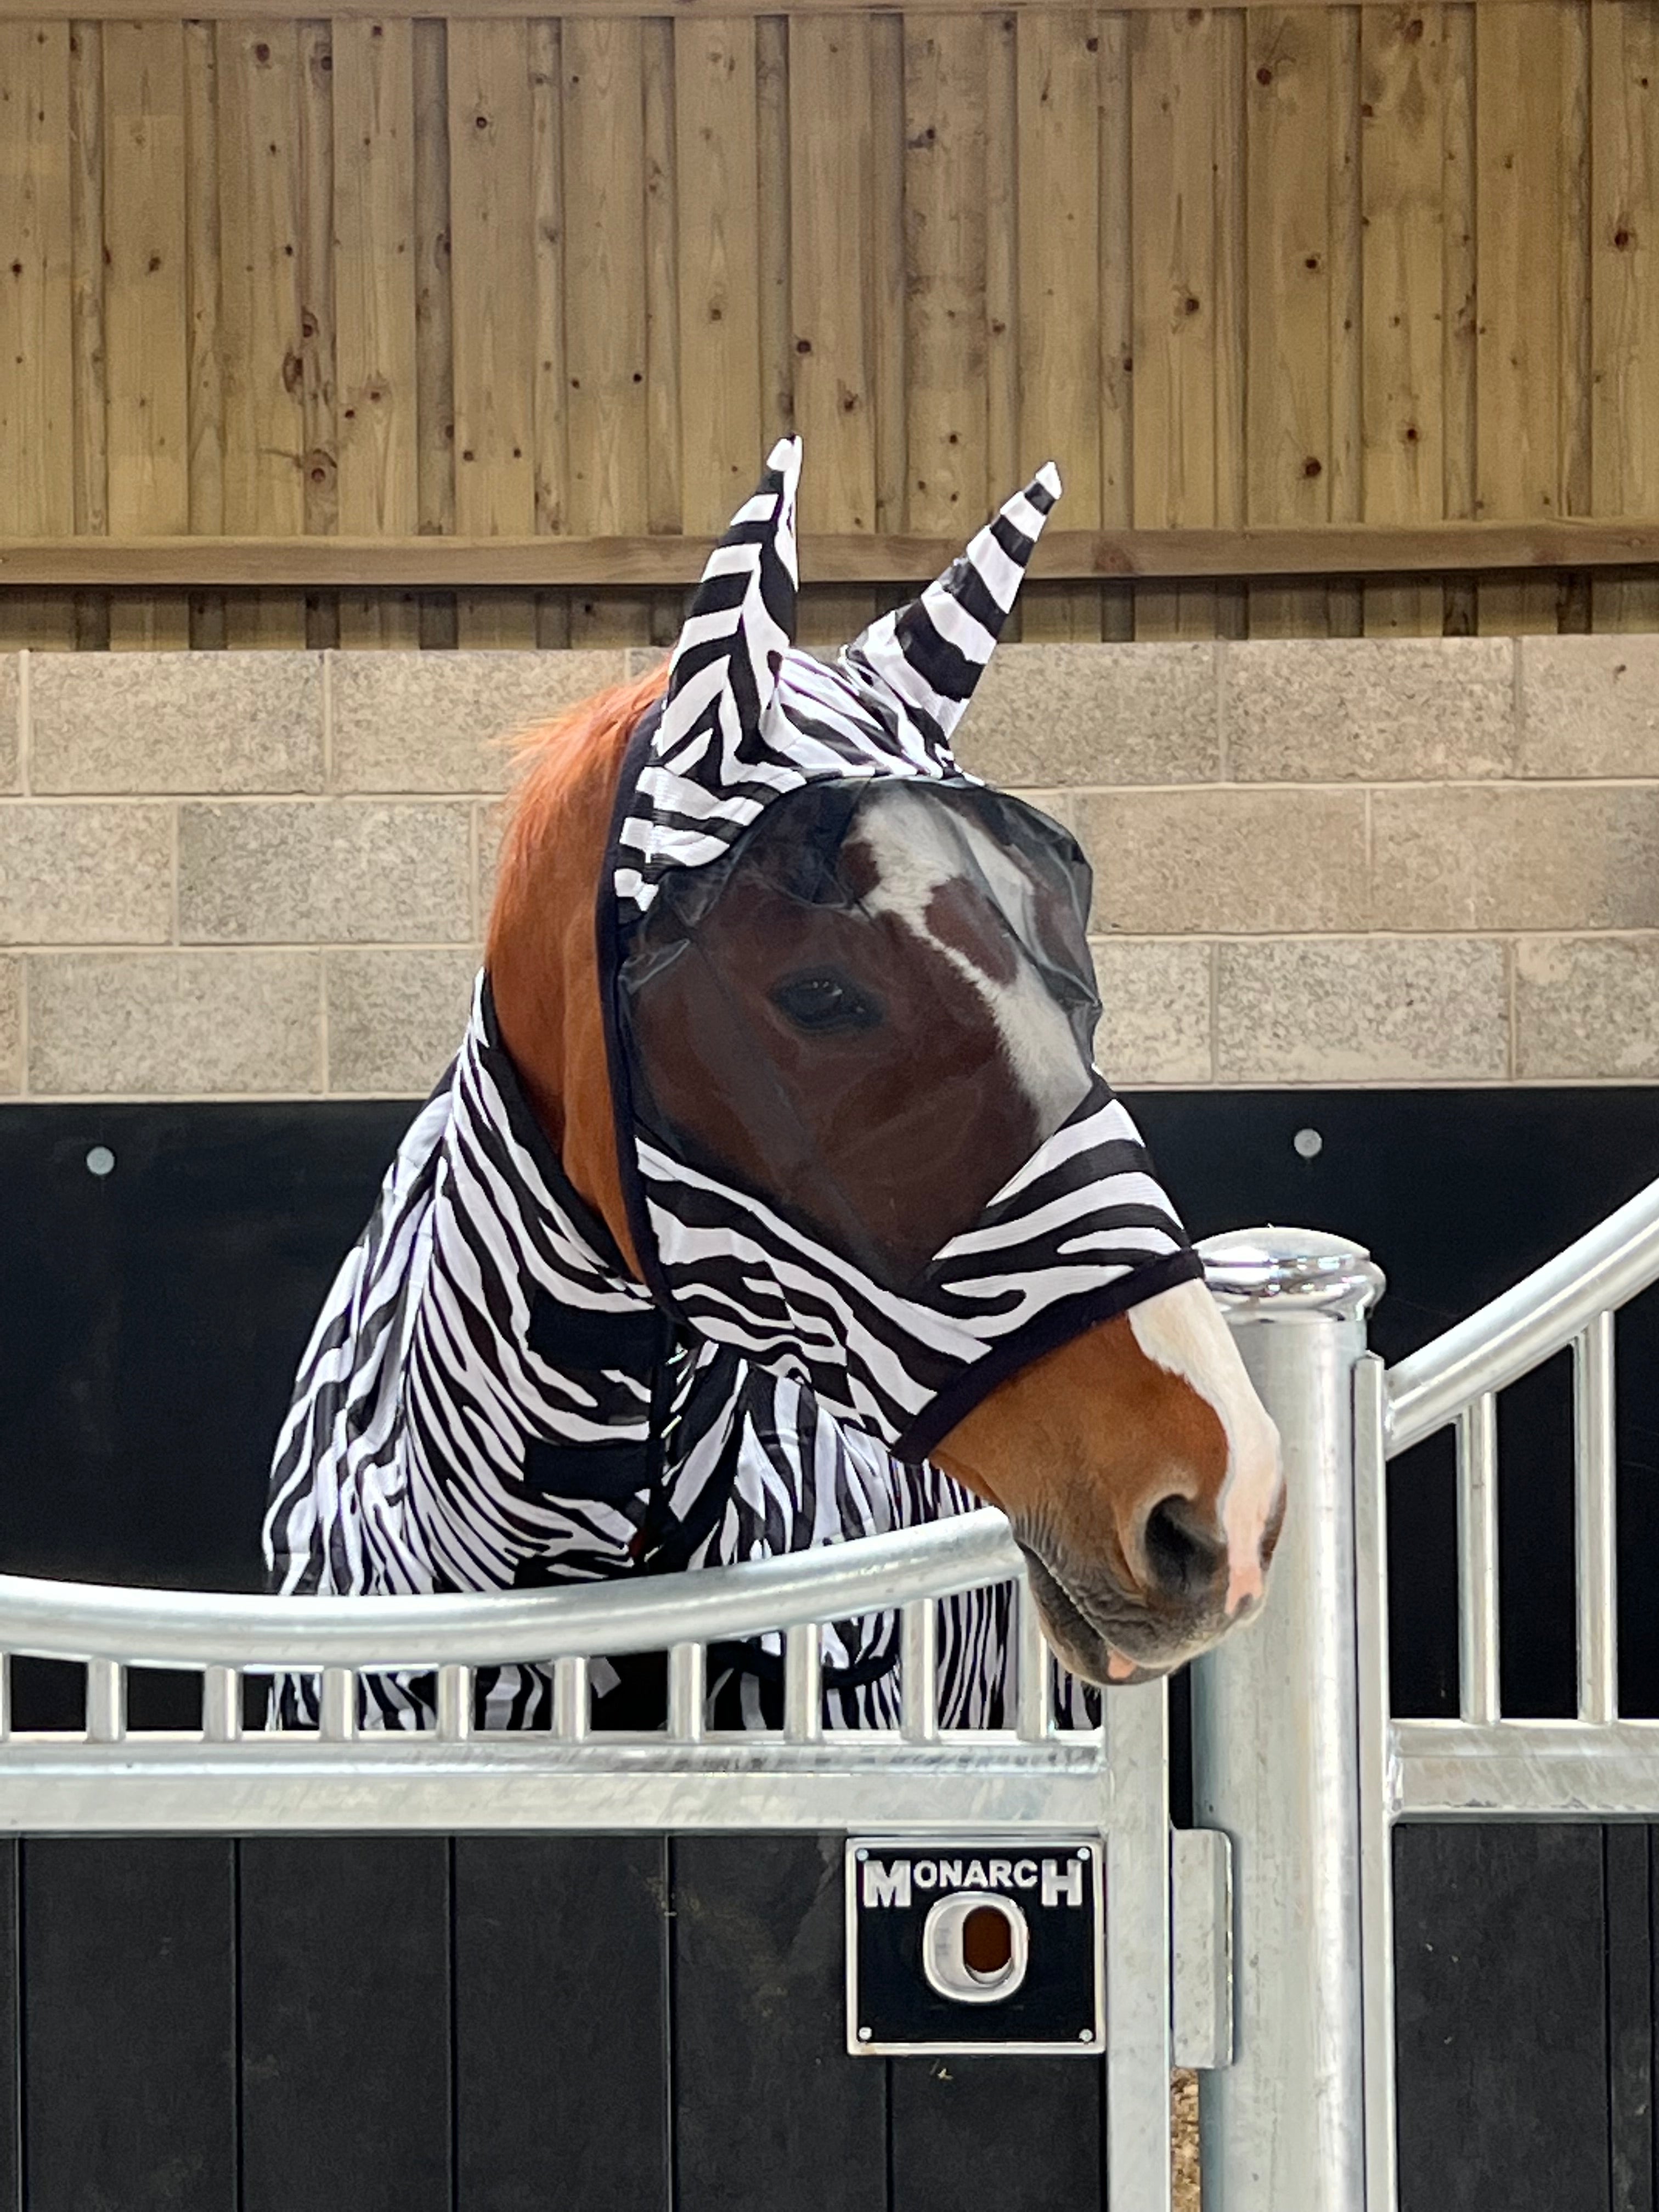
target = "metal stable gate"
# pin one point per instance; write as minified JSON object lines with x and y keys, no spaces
{"x":1257,"y":1945}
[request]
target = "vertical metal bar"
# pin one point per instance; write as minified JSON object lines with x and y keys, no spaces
{"x":221,"y":1705}
{"x":803,"y":1685}
{"x":1596,"y":1450}
{"x":570,"y":1708}
{"x":685,"y":1692}
{"x":338,"y":1715}
{"x":1201,"y":1946}
{"x":1138,"y":2039}
{"x":106,"y":1701}
{"x":1371,"y":1544}
{"x":454,"y":1703}
{"x":1035,"y":1674}
{"x":5,"y":1695}
{"x":1478,"y":1693}
{"x":919,"y":1663}
{"x":1276,"y":1753}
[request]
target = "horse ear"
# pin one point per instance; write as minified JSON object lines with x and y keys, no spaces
{"x":932,"y":651}
{"x":741,"y":622}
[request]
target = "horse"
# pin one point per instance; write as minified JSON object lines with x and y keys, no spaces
{"x":775,"y":1178}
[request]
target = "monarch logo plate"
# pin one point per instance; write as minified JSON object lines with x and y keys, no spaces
{"x":981,"y":1943}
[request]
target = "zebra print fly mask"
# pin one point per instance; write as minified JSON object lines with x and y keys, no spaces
{"x":852,"y":1006}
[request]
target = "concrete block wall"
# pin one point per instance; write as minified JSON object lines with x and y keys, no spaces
{"x":1366,"y":861}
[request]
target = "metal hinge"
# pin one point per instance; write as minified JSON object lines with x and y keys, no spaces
{"x":1201,"y":1946}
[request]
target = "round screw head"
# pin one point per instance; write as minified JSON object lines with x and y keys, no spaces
{"x":865,"y":2035}
{"x":101,"y":1161}
{"x":1308,"y":1144}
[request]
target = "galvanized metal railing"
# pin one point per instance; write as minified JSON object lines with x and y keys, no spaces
{"x":1296,"y":1756}
{"x":1482,"y":1765}
{"x":1110,"y":1780}
{"x":1307,"y":2115}
{"x":684,"y":1774}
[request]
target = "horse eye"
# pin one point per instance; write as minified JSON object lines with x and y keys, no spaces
{"x":825,"y":1004}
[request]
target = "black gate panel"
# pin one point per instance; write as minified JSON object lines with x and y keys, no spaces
{"x":1023,"y":2134}
{"x":561,"y":2089}
{"x":1631,"y":2145}
{"x":129,"y":2024}
{"x":345,"y":2013}
{"x":1503,"y":2015}
{"x":494,"y":2024}
{"x":11,"y":2137}
{"x":769,"y":2109}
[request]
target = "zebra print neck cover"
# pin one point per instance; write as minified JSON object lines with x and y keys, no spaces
{"x":778,"y":805}
{"x":491,"y":1401}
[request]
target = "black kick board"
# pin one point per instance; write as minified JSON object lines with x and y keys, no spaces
{"x":128,"y":1971}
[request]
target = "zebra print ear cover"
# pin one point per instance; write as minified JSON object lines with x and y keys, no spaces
{"x":1082,"y":1231}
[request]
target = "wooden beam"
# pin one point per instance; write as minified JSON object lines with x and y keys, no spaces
{"x":148,"y":564}
{"x":170,"y":11}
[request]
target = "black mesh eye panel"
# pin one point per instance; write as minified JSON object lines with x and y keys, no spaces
{"x":1049,"y":912}
{"x":869,"y":1012}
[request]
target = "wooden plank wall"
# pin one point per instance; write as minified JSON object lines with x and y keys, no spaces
{"x":1266,"y":265}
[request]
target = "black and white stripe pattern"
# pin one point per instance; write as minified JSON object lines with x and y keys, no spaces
{"x":475,"y":1411}
{"x":1081,"y":1217}
{"x":1082,"y":1229}
{"x":930,"y":654}
{"x":747,"y":719}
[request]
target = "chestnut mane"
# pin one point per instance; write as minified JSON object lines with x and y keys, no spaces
{"x":551,"y":759}
{"x":540,"y":943}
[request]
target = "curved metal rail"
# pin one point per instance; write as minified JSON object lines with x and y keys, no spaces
{"x":198,"y":1629}
{"x":1541,"y":1315}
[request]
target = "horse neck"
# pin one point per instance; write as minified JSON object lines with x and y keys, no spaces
{"x":543,"y":959}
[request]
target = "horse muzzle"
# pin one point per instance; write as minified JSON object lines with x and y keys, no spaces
{"x":1109,"y":1633}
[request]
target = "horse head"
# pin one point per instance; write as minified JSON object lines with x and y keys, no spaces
{"x":835,"y":1013}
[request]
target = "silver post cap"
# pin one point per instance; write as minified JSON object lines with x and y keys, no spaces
{"x":1303,"y":1269}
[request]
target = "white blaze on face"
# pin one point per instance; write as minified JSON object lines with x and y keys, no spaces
{"x":1182,"y":1331}
{"x":916,"y":847}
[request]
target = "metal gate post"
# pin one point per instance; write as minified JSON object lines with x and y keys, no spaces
{"x":1138,"y":2177}
{"x":1276,"y":1753}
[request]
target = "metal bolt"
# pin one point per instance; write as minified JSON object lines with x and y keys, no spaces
{"x":1085,"y":2035}
{"x":1308,"y":1144}
{"x":865,"y":2035}
{"x":101,"y":1161}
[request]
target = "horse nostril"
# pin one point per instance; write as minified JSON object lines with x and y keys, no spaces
{"x":1183,"y":1558}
